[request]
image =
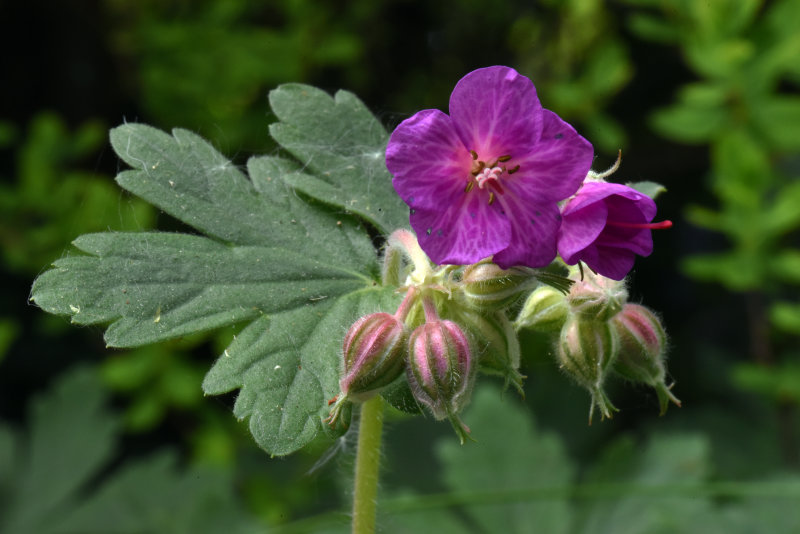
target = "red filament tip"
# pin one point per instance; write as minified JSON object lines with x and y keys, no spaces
{"x":663,"y":225}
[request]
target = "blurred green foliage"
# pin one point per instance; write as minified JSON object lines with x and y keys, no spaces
{"x":574,"y":53}
{"x":531,"y":484}
{"x":51,"y":199}
{"x":745,"y":107}
{"x":75,"y":490}
{"x":208,"y":65}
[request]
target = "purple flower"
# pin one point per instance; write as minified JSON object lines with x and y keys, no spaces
{"x":606,"y":226}
{"x":486,"y":180}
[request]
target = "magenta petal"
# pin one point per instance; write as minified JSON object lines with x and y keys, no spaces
{"x":462,"y":232}
{"x":630,"y":205}
{"x":580,"y":229}
{"x":611,"y":263}
{"x":559,"y":162}
{"x":496,"y":112}
{"x":533,"y":233}
{"x":633,"y":206}
{"x":639,"y":241}
{"x":429,"y":163}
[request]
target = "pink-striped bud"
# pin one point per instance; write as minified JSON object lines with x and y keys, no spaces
{"x":596,"y":297}
{"x":440,"y":370}
{"x":642,"y":349}
{"x":374,"y":350}
{"x":585,"y":350}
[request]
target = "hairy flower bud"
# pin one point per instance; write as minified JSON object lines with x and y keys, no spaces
{"x":545,"y":310}
{"x":596,"y":297}
{"x":642,"y":344}
{"x":440,"y":370}
{"x":487,"y":287}
{"x":374,"y":350}
{"x":495,"y":345}
{"x":585,"y":350}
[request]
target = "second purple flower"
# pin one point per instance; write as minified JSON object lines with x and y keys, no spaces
{"x":486,"y":179}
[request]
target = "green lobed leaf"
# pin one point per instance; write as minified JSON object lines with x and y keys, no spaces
{"x":341,"y":148}
{"x":287,"y":367}
{"x":155,"y":286}
{"x":272,"y":256}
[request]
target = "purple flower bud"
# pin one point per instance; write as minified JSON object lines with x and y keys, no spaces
{"x":642,"y":348}
{"x":605,"y":226}
{"x":585,"y":350}
{"x":374,"y":350}
{"x":545,"y":310}
{"x":487,"y":288}
{"x":440,"y":370}
{"x":596,"y":297}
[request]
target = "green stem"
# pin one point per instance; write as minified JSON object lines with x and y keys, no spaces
{"x":367,"y":466}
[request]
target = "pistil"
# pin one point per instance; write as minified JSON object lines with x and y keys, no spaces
{"x":487,"y":175}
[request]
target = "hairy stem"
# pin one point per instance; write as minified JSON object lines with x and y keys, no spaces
{"x":367,"y":466}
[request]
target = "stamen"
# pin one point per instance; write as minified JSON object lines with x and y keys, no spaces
{"x":663,"y":225}
{"x":469,"y":187}
{"x":512,"y":171}
{"x":478,"y":167}
{"x":473,"y":154}
{"x":491,"y":198}
{"x":503,"y":159}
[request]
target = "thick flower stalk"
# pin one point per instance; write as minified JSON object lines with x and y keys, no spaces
{"x":606,"y":226}
{"x":486,"y":180}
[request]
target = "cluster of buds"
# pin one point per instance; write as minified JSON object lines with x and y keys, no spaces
{"x":599,"y":332}
{"x":453,"y":322}
{"x":450,"y":324}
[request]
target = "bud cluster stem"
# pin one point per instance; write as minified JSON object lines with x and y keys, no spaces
{"x":367,"y":466}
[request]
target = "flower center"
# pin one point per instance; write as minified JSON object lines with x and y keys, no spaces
{"x":487,"y":175}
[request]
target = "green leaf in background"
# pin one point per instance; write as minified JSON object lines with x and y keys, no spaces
{"x":786,"y":316}
{"x":689,"y":123}
{"x":52,"y":479}
{"x":778,"y":119}
{"x":41,"y":482}
{"x":343,"y":144}
{"x":681,"y":459}
{"x":533,"y":460}
{"x":779,"y":383}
